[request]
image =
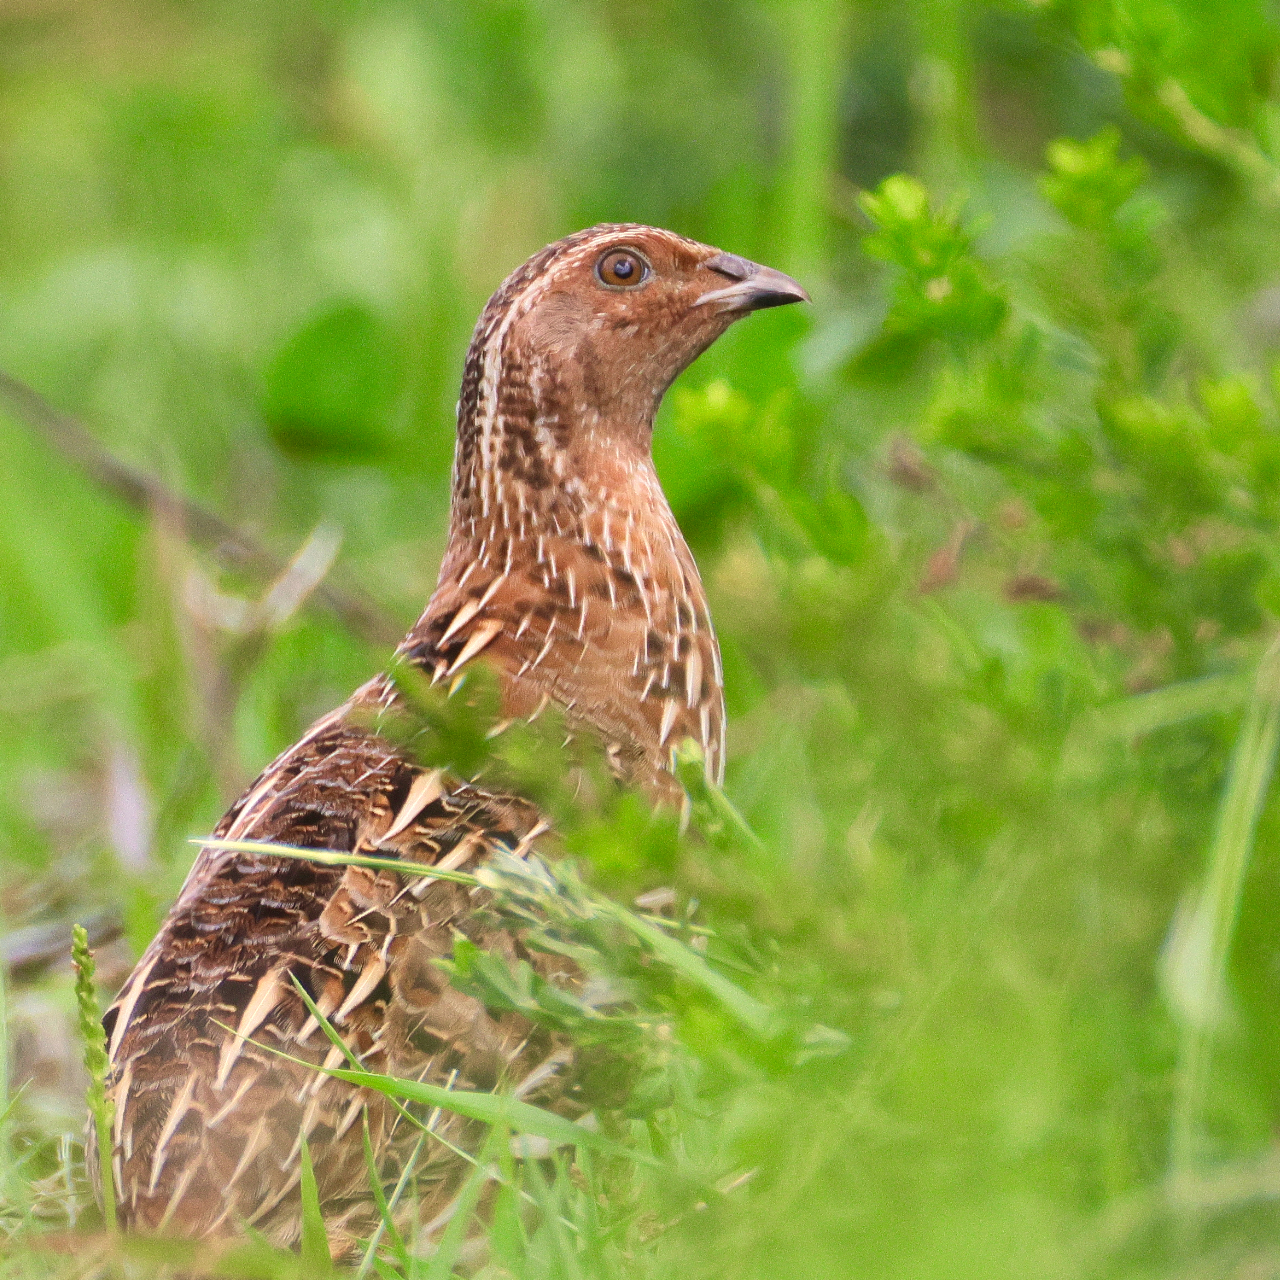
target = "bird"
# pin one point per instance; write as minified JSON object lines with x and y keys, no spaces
{"x":565,"y":573}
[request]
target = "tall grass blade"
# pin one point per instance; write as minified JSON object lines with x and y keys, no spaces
{"x":1198,"y":950}
{"x":751,"y":1013}
{"x":386,"y":1209}
{"x":461,"y":1213}
{"x":314,"y":1247}
{"x":333,"y":858}
{"x":1083,"y":754}
{"x":717,"y":813}
{"x":813,"y":39}
{"x":491,"y":1108}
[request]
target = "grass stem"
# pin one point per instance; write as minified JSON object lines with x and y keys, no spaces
{"x":1199,"y":948}
{"x":101,"y":1108}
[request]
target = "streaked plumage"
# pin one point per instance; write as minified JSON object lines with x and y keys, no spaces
{"x":566,"y":571}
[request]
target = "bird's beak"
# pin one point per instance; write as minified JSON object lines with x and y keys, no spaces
{"x":752,"y":286}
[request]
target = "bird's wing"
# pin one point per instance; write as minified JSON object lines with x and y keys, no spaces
{"x":213,"y":1051}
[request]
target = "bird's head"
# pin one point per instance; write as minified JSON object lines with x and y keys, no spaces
{"x":565,"y":566}
{"x":589,"y":333}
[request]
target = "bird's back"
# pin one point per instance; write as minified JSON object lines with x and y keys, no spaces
{"x":214,"y":1052}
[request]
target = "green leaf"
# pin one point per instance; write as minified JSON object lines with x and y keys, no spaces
{"x":491,"y":1108}
{"x":332,"y":858}
{"x":464,"y":1206}
{"x":1197,"y":952}
{"x":942,"y":290}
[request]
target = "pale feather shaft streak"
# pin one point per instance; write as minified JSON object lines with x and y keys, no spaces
{"x":266,"y":995}
{"x":177,"y":1111}
{"x":669,"y":711}
{"x":483,"y":635}
{"x":426,"y":789}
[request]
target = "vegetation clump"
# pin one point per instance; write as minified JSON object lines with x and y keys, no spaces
{"x":971,"y":969}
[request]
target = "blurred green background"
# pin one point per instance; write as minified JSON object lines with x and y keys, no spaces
{"x":990,"y":532}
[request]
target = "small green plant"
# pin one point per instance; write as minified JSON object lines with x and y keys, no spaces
{"x":943,"y":290}
{"x":1087,"y":182}
{"x":101,"y":1109}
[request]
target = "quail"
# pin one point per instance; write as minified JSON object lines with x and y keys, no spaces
{"x":566,"y":573}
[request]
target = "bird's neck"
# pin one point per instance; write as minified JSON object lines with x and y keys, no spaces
{"x":566,"y":569}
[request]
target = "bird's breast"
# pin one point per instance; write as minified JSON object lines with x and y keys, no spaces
{"x":607,"y":620}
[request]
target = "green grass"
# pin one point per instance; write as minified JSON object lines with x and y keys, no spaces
{"x":990,"y":535}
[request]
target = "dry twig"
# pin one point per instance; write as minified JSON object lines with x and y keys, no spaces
{"x":144,"y":493}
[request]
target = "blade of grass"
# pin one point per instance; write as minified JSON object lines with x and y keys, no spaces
{"x":754,"y":1015}
{"x":341,"y":1045}
{"x":1198,"y":951}
{"x":429,"y":1127}
{"x":386,"y":1222}
{"x":455,"y":1234}
{"x":813,"y":41}
{"x":314,"y":1246}
{"x":490,"y":1108}
{"x":1146,"y":712}
{"x":334,"y":858}
{"x":1130,"y":718}
{"x":557,"y":1194}
{"x":705,"y":795}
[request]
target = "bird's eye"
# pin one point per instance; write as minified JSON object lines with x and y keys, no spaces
{"x":622,"y":269}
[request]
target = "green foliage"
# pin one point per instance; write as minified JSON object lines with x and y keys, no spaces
{"x":1087,"y":181}
{"x":313,"y":1252}
{"x":990,"y":534}
{"x":943,"y":291}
